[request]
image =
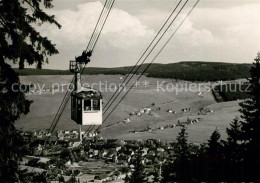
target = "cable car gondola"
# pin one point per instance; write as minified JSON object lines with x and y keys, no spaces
{"x":86,"y":103}
{"x":86,"y":107}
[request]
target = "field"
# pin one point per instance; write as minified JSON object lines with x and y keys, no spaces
{"x":196,"y":97}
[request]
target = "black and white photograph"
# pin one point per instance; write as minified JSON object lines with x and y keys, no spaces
{"x":129,"y":91}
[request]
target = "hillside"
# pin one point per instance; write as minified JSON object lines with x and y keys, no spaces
{"x":191,"y":71}
{"x":46,"y":104}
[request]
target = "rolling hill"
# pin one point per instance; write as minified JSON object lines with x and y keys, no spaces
{"x":190,"y":71}
{"x":46,"y":104}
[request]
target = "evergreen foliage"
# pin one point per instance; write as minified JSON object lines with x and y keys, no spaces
{"x":19,"y":43}
{"x":214,"y":144}
{"x":232,"y":146}
{"x":139,"y":174}
{"x":250,"y":124}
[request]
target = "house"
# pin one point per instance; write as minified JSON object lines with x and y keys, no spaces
{"x":115,"y":158}
{"x":44,"y":160}
{"x":142,"y":111}
{"x":159,"y":149}
{"x":147,"y":110}
{"x":82,"y":152}
{"x":127,"y":120}
{"x":130,"y":152}
{"x":68,"y":163}
{"x":132,"y":113}
{"x":54,"y":181}
{"x":144,"y":151}
{"x":74,"y":135}
{"x":171,"y":111}
{"x":184,"y":110}
{"x":151,"y":153}
{"x":124,"y":158}
{"x":39,"y":136}
{"x":61,"y":136}
{"x":47,"y":134}
{"x":102,"y":177}
{"x":24,"y":161}
{"x":95,"y":153}
{"x":66,"y":136}
{"x":91,"y":151}
{"x":104,"y":153}
{"x":118,"y":148}
{"x":75,"y":131}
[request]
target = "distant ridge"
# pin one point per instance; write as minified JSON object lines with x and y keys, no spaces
{"x":191,"y":71}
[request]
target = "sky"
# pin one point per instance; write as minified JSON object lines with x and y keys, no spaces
{"x":217,"y":30}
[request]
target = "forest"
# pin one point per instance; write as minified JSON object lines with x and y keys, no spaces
{"x":189,"y":71}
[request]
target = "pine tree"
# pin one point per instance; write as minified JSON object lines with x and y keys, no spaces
{"x":127,"y":178}
{"x":181,"y":163}
{"x":214,"y":145}
{"x":250,"y":114}
{"x":19,"y":43}
{"x":72,"y":179}
{"x":156,"y":175}
{"x":61,"y":179}
{"x":178,"y":170}
{"x":168,"y":172}
{"x":214,"y":157}
{"x":182,"y":147}
{"x":232,"y":145}
{"x":139,"y":174}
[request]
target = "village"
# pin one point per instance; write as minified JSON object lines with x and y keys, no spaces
{"x":93,"y":160}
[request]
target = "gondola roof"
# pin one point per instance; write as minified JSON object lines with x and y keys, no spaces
{"x":88,"y":94}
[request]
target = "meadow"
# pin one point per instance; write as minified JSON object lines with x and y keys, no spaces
{"x":198,"y":102}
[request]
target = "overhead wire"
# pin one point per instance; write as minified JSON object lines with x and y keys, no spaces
{"x":187,"y":15}
{"x":93,"y":43}
{"x":109,"y":9}
{"x":96,"y":26}
{"x":130,"y":72}
{"x":167,"y":28}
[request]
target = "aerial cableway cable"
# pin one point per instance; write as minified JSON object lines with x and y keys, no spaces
{"x":110,"y":7}
{"x":93,"y":46}
{"x":130,"y":72}
{"x":103,"y":17}
{"x":187,"y":15}
{"x":96,"y":27}
{"x":164,"y":32}
{"x":100,"y":24}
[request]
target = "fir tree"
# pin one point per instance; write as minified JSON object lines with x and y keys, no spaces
{"x":178,"y":170}
{"x":61,"y":179}
{"x":214,"y":145}
{"x":182,"y":147}
{"x":156,"y":175}
{"x":250,"y":124}
{"x":19,"y":43}
{"x":214,"y":157}
{"x":181,"y":163}
{"x":168,"y":174}
{"x":127,"y":178}
{"x":232,"y":145}
{"x":139,"y":174}
{"x":72,"y":179}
